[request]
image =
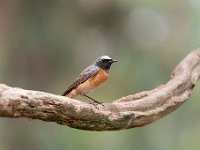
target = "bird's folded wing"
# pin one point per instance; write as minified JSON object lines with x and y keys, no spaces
{"x":84,"y":76}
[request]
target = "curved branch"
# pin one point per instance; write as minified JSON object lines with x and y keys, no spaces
{"x":127,"y":112}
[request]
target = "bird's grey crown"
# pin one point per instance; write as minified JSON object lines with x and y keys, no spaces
{"x":105,"y":57}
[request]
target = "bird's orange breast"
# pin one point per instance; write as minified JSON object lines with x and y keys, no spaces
{"x":93,"y":82}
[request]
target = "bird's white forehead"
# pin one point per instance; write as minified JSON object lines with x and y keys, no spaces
{"x":105,"y":57}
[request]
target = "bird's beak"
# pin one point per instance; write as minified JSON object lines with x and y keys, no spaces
{"x":114,"y":61}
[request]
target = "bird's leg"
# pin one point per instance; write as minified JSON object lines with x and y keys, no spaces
{"x":95,"y":104}
{"x":95,"y":101}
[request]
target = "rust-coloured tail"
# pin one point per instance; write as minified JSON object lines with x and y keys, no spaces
{"x":70,"y":94}
{"x":65,"y":93}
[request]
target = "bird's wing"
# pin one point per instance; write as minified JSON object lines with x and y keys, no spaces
{"x":85,"y":75}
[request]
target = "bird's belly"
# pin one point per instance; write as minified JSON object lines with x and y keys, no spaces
{"x":92,"y":83}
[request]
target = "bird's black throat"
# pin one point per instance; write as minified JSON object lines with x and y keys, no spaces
{"x":105,"y":66}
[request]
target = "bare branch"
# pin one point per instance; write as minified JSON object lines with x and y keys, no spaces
{"x":127,"y":112}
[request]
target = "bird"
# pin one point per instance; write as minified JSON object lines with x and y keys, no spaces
{"x":90,"y":78}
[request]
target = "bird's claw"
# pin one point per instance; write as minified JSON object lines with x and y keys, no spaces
{"x":96,"y":103}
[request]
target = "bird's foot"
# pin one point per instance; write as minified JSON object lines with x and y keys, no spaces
{"x":96,"y":103}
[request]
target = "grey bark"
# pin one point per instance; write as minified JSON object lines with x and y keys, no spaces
{"x":127,"y":112}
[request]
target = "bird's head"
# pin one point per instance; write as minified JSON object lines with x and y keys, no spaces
{"x":104,"y":62}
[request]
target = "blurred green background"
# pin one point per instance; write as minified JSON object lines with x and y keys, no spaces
{"x":44,"y":45}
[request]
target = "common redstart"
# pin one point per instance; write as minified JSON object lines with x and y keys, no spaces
{"x":90,"y":78}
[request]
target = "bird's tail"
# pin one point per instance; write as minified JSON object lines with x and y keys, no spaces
{"x":70,"y":94}
{"x":65,"y":93}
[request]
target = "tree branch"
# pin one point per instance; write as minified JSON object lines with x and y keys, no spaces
{"x":127,"y":112}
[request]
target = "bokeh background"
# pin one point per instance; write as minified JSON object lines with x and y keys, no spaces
{"x":45,"y":44}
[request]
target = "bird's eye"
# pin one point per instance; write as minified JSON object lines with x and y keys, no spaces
{"x":103,"y":60}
